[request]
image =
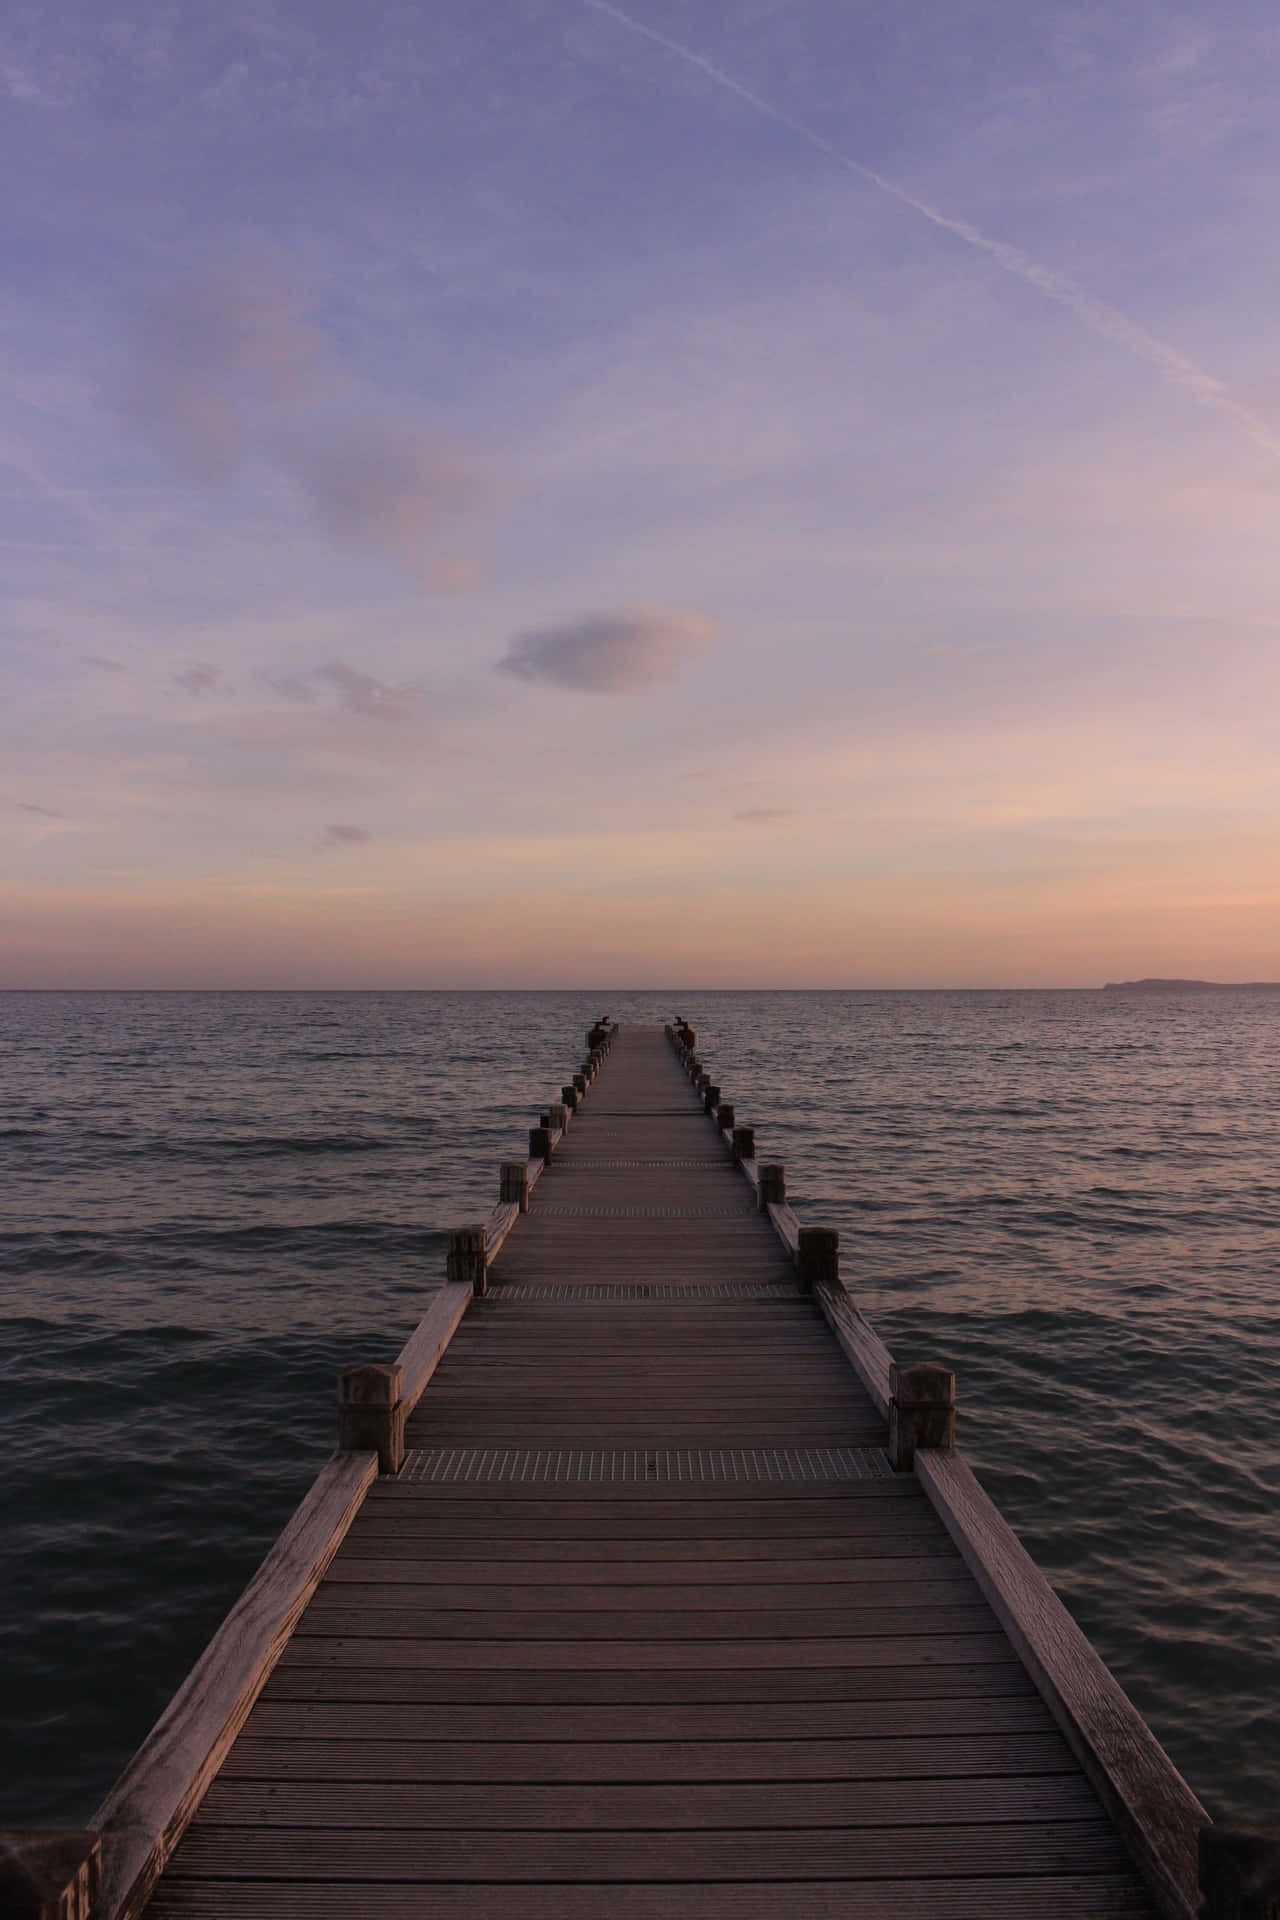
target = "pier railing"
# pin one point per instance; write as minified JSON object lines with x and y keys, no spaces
{"x":109,"y":1870}
{"x":1163,"y":1824}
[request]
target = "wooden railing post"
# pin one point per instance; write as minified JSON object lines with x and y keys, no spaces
{"x":371,"y":1416}
{"x":466,"y":1261}
{"x":710,"y":1096}
{"x":744,"y":1143}
{"x":513,"y":1184}
{"x":50,"y":1876}
{"x":1239,"y":1873}
{"x":773,"y":1185}
{"x":818,"y":1256}
{"x":580,"y":1084}
{"x":540,"y":1144}
{"x":569,"y":1095}
{"x":558,"y":1115}
{"x":725,"y":1116}
{"x":922,"y":1411}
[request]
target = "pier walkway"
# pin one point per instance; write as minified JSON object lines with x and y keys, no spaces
{"x":646,"y":1624}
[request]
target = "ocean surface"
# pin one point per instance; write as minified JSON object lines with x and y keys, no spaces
{"x":211,"y":1202}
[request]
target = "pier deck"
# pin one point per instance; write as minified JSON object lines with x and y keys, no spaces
{"x":646,"y":1625}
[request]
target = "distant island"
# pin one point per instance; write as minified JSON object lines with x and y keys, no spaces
{"x":1192,"y":986}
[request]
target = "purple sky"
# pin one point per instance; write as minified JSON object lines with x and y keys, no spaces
{"x":529,"y":494}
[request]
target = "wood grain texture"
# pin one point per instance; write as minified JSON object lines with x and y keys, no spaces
{"x":1151,"y":1803}
{"x":151,"y":1804}
{"x":423,"y":1350}
{"x":861,"y":1345}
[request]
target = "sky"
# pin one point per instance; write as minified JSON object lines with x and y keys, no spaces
{"x":514,"y":494}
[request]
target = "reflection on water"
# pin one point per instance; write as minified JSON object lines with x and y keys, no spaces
{"x":211,"y":1202}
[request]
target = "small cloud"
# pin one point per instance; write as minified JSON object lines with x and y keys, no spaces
{"x":197,"y":679}
{"x":294,"y":686}
{"x":347,"y":836}
{"x":762,"y":816}
{"x":361,"y":693}
{"x":46,"y":813}
{"x":379,"y":483}
{"x":104,"y":663}
{"x":628,"y":652}
{"x":227,"y":371}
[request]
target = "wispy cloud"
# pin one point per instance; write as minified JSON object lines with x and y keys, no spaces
{"x":629,"y":652}
{"x":762,"y":816}
{"x":29,"y":806}
{"x":1178,"y":368}
{"x":361,"y":693}
{"x":104,"y":663}
{"x":343,"y":836}
{"x":227,"y":371}
{"x":197,"y":679}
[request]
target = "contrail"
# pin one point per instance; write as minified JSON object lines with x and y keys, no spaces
{"x":1178,"y":369}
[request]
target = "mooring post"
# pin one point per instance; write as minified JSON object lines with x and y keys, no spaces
{"x":580,"y":1084}
{"x":540,"y":1144}
{"x":922,"y":1411}
{"x":773,"y":1185}
{"x":513,"y":1184}
{"x":466,"y":1260}
{"x":710,"y":1096}
{"x":1239,"y":1873}
{"x":725,"y":1116}
{"x":56,"y":1874}
{"x":818,"y":1256}
{"x":558,"y":1115}
{"x":371,"y":1413}
{"x":569,"y":1095}
{"x":744,"y":1143}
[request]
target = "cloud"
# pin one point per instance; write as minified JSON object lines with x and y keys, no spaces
{"x":762,"y":816}
{"x":226,"y":372}
{"x":104,"y":663}
{"x":29,"y":806}
{"x":197,"y":679}
{"x":339,"y":836}
{"x":629,"y":652}
{"x":361,"y":693}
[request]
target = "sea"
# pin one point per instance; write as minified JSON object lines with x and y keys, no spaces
{"x":211,"y":1202}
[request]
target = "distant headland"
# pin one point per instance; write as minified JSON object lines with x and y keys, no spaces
{"x":1192,"y":986}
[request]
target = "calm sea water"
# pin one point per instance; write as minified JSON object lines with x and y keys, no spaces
{"x":210,"y":1202}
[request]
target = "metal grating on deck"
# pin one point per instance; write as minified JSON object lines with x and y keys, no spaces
{"x":555,"y":1211}
{"x":589,"y":1291}
{"x":649,"y":1466}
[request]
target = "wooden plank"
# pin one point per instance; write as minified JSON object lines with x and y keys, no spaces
{"x":477,"y":1807}
{"x":1002,"y":1676}
{"x":786,"y":1226}
{"x":396,"y":1621}
{"x":1070,"y":1896}
{"x":921,"y":1650}
{"x":859,"y":1342}
{"x":760,"y":1720}
{"x":498,"y":1226}
{"x":148,"y":1809}
{"x":425,"y":1347}
{"x":1151,"y":1804}
{"x":358,"y":1858}
{"x":613,"y":1761}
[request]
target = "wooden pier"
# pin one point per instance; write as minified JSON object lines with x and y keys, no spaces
{"x":672,"y":1598}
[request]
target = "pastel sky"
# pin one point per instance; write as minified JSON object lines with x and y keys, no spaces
{"x":544,"y":494}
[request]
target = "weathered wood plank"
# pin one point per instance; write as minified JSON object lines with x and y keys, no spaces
{"x":1006,"y":1897}
{"x":859,"y":1342}
{"x":1151,"y":1803}
{"x":357,"y":1857}
{"x":478,"y":1807}
{"x":149,"y":1807}
{"x":425,"y":1347}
